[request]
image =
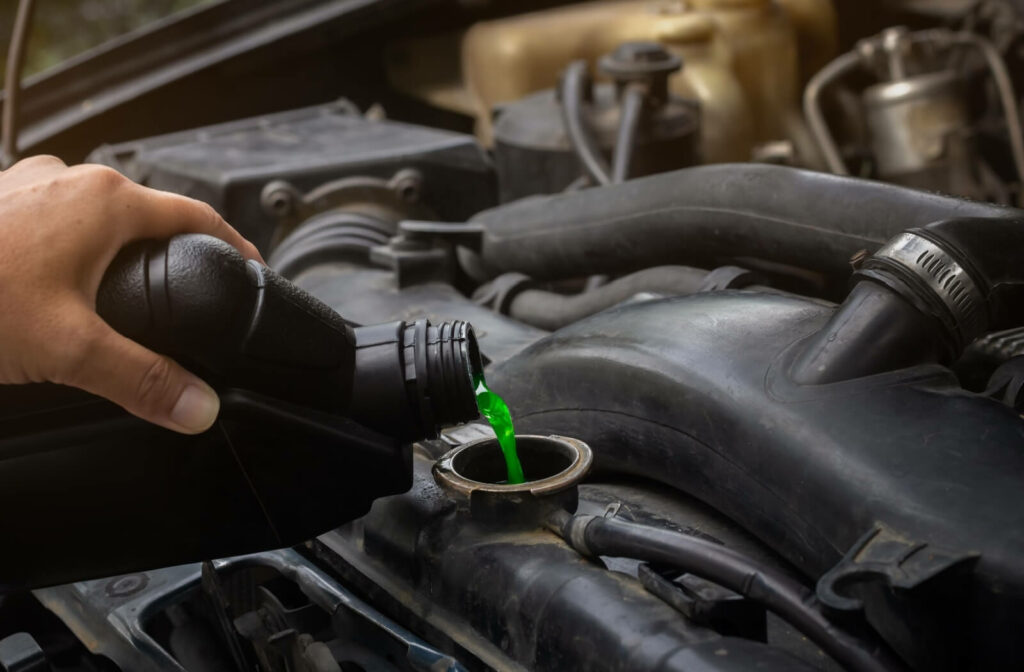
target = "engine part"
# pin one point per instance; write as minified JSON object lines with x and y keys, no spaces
{"x":21,"y":653}
{"x":918,"y":118}
{"x":602,"y":536}
{"x":295,"y":380}
{"x":128,"y":618}
{"x":515,"y":295}
{"x":875,"y":330}
{"x":230,"y":165}
{"x":883,"y":449}
{"x":512,"y":593}
{"x":811,"y":220}
{"x":371,"y":199}
{"x":332,"y":236}
{"x":474,"y":476}
{"x":541,"y":142}
{"x":912,"y":122}
{"x":924,"y":297}
{"x":745,"y":60}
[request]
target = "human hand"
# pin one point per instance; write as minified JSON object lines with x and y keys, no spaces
{"x":60,"y":228}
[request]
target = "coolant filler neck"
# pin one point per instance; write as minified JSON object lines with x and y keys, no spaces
{"x":474,"y":476}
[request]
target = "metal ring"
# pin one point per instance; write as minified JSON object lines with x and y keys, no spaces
{"x":578,"y":454}
{"x":944,"y":275}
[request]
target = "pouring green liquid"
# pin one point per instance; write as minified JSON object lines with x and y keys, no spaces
{"x":495,"y":410}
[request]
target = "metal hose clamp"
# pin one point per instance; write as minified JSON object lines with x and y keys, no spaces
{"x":947,"y":279}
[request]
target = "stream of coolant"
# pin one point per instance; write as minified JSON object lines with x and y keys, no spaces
{"x":495,"y":410}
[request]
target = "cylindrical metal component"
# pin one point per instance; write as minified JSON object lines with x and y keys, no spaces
{"x":918,"y":122}
{"x":912,"y":123}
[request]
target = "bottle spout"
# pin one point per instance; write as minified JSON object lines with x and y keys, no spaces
{"x":412,"y":379}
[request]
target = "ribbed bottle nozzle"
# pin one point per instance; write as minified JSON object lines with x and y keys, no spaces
{"x":412,"y":379}
{"x":446,"y":363}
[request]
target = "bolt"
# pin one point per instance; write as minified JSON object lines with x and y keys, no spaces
{"x":278,"y":198}
{"x":407,"y":184}
{"x":123,"y":586}
{"x":279,"y":203}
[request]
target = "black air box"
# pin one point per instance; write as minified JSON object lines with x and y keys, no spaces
{"x":227,"y":165}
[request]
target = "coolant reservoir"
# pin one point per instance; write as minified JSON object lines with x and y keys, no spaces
{"x":745,"y":60}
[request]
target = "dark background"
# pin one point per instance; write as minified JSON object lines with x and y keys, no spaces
{"x":63,"y":28}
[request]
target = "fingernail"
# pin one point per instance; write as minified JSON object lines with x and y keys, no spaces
{"x":196,"y":409}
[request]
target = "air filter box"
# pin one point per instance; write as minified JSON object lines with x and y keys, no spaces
{"x":227,"y":165}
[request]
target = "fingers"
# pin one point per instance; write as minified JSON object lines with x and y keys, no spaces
{"x":148,"y":385}
{"x":141,"y":212}
{"x":163,"y":215}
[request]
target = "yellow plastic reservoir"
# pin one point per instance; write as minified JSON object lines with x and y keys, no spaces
{"x":744,"y":60}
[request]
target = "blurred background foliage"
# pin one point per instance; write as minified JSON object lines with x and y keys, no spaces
{"x":64,"y":28}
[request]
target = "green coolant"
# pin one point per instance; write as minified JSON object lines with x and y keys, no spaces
{"x":494,"y":409}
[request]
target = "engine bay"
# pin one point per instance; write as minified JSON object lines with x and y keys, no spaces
{"x":748,"y":273}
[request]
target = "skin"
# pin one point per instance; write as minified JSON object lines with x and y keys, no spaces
{"x":60,"y":228}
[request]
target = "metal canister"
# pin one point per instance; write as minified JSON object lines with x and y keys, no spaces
{"x":918,"y":127}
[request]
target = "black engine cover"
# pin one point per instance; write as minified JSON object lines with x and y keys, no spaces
{"x":694,"y":392}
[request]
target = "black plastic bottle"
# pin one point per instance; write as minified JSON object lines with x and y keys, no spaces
{"x":316,"y":419}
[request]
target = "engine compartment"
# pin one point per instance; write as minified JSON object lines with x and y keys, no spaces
{"x":760,"y":256}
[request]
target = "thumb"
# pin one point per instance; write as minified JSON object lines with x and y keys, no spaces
{"x":151,"y":386}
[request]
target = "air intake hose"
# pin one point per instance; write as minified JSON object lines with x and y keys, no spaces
{"x":240,"y":325}
{"x":706,"y":215}
{"x":923,"y":297}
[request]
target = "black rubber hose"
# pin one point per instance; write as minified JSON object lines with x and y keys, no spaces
{"x":571,"y":95}
{"x":707,"y":215}
{"x":550,"y":310}
{"x":923,"y":298}
{"x":993,"y":254}
{"x":875,"y":330}
{"x":625,"y":141}
{"x":329,"y":237}
{"x":597,"y":536}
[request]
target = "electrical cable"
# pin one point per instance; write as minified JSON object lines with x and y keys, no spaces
{"x":625,"y":142}
{"x":571,"y":94}
{"x":551,"y":310}
{"x":778,"y":592}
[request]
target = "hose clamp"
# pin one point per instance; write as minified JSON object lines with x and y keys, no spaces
{"x":944,"y":276}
